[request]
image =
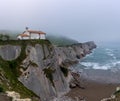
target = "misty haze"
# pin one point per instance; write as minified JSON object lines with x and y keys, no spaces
{"x":60,"y":50}
{"x":79,"y":19}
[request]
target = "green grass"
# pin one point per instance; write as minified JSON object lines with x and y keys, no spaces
{"x":22,"y":42}
{"x":11,"y":69}
{"x":10,"y":73}
{"x":117,"y":92}
{"x":56,"y":40}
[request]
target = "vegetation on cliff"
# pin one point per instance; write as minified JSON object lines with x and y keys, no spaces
{"x":19,"y":57}
{"x":56,"y":40}
{"x":64,"y":70}
{"x":49,"y":74}
{"x":117,"y":95}
{"x":10,"y":70}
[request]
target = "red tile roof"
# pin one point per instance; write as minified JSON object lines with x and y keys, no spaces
{"x":36,"y":32}
{"x":24,"y":35}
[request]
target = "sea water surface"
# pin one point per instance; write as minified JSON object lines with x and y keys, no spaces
{"x":102,"y":64}
{"x":103,"y":58}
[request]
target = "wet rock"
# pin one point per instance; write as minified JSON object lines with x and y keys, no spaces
{"x":72,"y":85}
{"x":76,"y":81}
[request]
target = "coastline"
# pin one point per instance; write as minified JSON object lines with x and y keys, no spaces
{"x":96,"y":89}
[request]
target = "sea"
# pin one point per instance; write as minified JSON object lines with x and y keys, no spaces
{"x":102,"y":64}
{"x":103,"y":58}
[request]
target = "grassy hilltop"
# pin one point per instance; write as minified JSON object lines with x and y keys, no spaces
{"x":54,"y":39}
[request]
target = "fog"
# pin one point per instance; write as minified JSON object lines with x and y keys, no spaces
{"x":82,"y":20}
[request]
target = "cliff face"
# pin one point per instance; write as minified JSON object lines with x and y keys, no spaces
{"x":69,"y":55}
{"x":43,"y":70}
{"x":42,"y":74}
{"x":9,"y":52}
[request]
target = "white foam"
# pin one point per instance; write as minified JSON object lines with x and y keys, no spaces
{"x":108,"y":49}
{"x":110,"y":53}
{"x":116,"y":63}
{"x":112,"y":62}
{"x":88,"y":64}
{"x":94,"y":65}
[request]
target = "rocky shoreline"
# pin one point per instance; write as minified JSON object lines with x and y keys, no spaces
{"x":45,"y":70}
{"x":98,"y":86}
{"x":42,"y":67}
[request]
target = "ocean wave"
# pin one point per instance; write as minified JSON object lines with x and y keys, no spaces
{"x":110,"y":53}
{"x":93,"y":65}
{"x":108,"y":49}
{"x":102,"y":58}
{"x":116,"y":64}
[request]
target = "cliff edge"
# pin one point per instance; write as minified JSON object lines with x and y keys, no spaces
{"x":38,"y":65}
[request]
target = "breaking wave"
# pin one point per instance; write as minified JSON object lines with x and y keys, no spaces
{"x":94,"y":65}
{"x":102,"y":58}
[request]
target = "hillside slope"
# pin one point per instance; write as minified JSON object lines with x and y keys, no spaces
{"x":36,"y":68}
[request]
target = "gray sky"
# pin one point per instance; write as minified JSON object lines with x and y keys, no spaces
{"x":83,"y":20}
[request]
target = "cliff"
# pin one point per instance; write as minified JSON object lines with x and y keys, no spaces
{"x":38,"y":65}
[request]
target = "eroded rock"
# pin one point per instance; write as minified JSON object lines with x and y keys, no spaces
{"x":10,"y":52}
{"x":39,"y":57}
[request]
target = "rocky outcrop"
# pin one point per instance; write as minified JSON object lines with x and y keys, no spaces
{"x":114,"y":97}
{"x":44,"y":70}
{"x":66,"y":98}
{"x":75,"y":80}
{"x":9,"y":52}
{"x":69,"y":55}
{"x":43,"y":75}
{"x":16,"y":96}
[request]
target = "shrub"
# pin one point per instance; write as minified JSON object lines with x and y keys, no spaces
{"x":64,"y":70}
{"x":4,"y":37}
{"x":1,"y":89}
{"x":49,"y":74}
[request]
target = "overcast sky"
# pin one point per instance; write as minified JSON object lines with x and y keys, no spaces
{"x":83,"y":20}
